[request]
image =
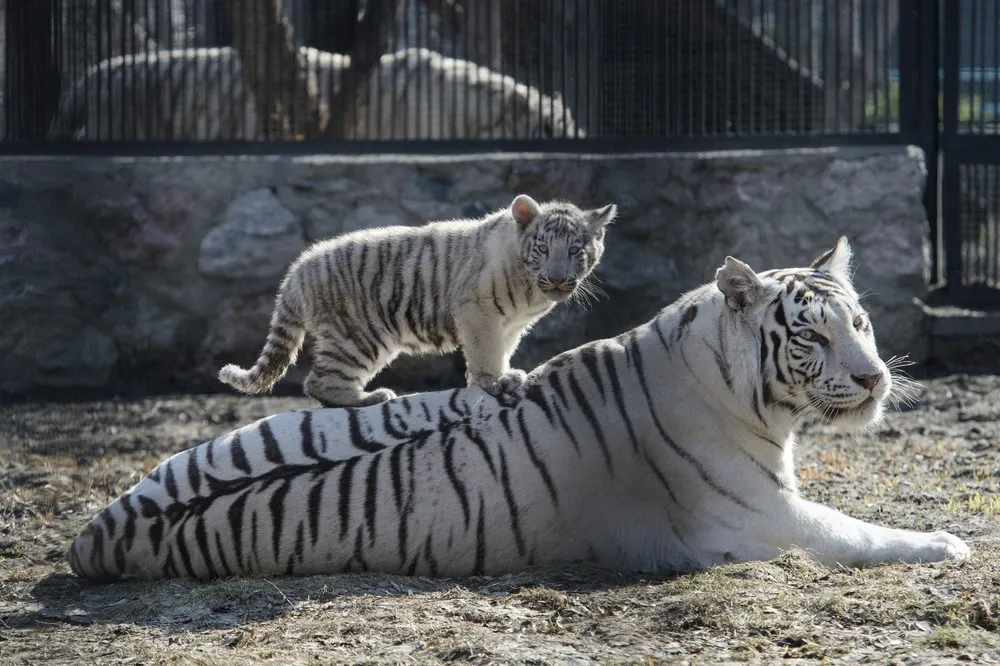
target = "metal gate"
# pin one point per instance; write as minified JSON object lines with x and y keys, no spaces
{"x":969,"y":150}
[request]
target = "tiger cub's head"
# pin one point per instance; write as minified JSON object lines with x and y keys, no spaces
{"x":559,"y":244}
{"x":817,"y":355}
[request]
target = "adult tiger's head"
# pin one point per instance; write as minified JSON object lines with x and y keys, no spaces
{"x":817,"y":352}
{"x":560,"y":244}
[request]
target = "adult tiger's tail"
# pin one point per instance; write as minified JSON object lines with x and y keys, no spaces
{"x":284,"y":340}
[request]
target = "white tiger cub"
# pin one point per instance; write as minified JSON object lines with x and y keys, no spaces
{"x":479,"y":284}
{"x":667,"y":448}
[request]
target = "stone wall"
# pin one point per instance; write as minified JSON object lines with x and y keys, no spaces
{"x":151,"y":269}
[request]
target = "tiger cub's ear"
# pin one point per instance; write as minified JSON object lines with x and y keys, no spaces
{"x":525,"y":210}
{"x":739,"y":284}
{"x":837,"y":261}
{"x":598,"y":218}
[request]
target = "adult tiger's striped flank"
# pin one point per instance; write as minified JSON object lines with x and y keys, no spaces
{"x":479,"y":284}
{"x":669,"y":447}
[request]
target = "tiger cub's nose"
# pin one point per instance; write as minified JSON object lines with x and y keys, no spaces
{"x":867,"y":381}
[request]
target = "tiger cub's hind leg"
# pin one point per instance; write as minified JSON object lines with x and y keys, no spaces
{"x":341,"y":366}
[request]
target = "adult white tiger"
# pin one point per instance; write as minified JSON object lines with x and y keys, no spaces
{"x":200,"y":94}
{"x":669,"y":447}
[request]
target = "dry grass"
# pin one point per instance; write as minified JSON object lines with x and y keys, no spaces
{"x":926,"y":469}
{"x":987,"y":505}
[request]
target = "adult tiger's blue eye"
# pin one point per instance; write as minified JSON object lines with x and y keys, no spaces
{"x":810,"y":335}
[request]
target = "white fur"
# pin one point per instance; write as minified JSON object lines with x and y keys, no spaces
{"x":200,"y":94}
{"x":480,"y":284}
{"x":670,"y":469}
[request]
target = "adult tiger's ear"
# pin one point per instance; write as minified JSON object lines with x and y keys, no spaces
{"x":525,"y":210}
{"x":836,"y":261}
{"x":599,"y":218}
{"x":739,"y":284}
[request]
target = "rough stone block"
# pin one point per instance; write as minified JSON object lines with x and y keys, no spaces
{"x":256,"y":239}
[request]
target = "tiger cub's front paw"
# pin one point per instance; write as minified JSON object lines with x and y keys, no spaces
{"x":512,"y":380}
{"x":508,"y":382}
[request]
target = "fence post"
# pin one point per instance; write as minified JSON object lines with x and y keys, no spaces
{"x":951,"y":183}
{"x":918,"y":104}
{"x":31,"y":93}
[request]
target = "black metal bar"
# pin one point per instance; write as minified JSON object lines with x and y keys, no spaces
{"x":395,"y":30}
{"x":551,"y":88}
{"x":455,"y":31}
{"x":563,"y":57}
{"x":810,"y":126}
{"x":705,"y":71}
{"x":104,"y":37}
{"x":924,"y":85}
{"x":989,"y":258}
{"x":125,"y":50}
{"x":852,"y":121}
{"x":32,"y":79}
{"x":476,"y":16}
{"x":807,"y":90}
{"x":577,"y":79}
{"x":690,"y":40}
{"x":887,"y":39}
{"x":836,"y":73}
{"x":540,"y":42}
{"x":165,"y":91}
{"x":73,"y":66}
{"x":675,"y":65}
{"x":588,"y":47}
{"x":732,"y":72}
{"x":909,"y":66}
{"x":191,"y":84}
{"x":776,"y":117}
{"x":969,"y":125}
{"x":950,"y":171}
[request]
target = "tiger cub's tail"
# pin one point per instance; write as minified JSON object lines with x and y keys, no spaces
{"x":284,"y":340}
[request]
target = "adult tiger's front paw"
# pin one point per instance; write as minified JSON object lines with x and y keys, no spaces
{"x":940,"y":546}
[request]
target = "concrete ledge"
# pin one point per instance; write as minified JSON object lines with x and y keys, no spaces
{"x":960,"y":322}
{"x":961,"y":336}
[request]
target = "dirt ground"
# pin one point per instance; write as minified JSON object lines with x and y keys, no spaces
{"x":934,"y":466}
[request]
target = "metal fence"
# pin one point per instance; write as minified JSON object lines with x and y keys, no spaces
{"x":277,"y":75}
{"x":970,"y":150}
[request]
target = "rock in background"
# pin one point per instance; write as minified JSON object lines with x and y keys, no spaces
{"x":144,"y":271}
